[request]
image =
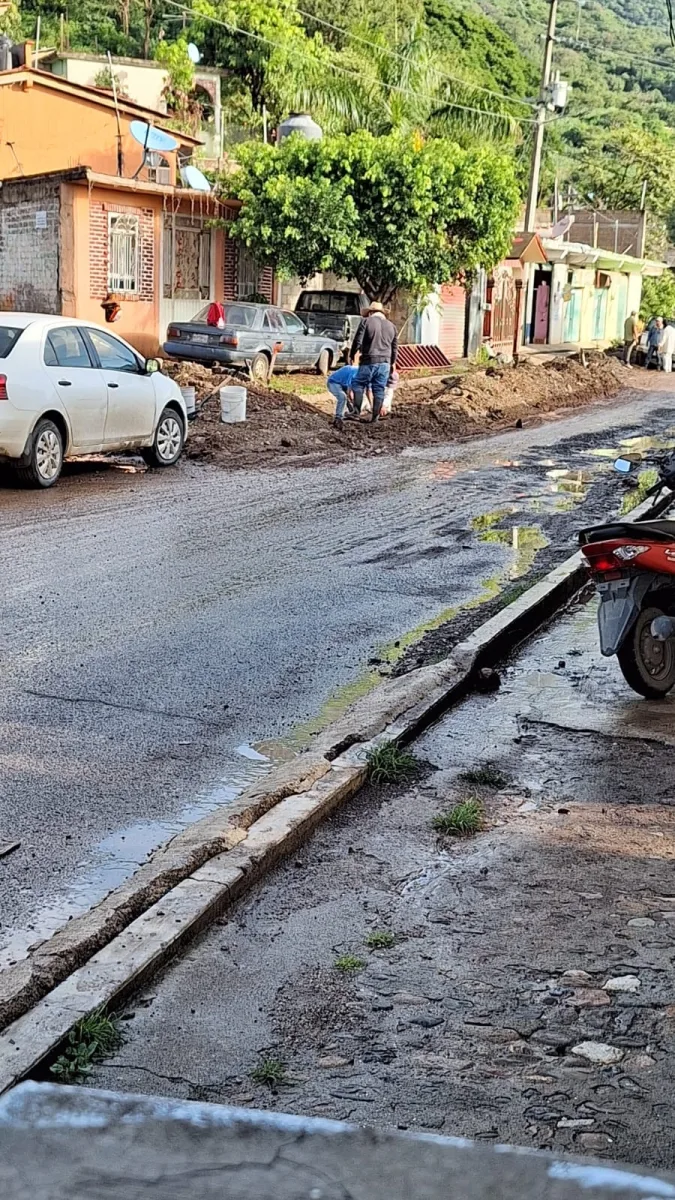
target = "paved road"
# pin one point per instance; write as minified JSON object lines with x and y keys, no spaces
{"x":152,"y":624}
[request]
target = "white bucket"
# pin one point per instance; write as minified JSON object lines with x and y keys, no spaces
{"x":189,"y":396}
{"x":232,"y":404}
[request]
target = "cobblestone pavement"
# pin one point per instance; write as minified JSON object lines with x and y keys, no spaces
{"x":528,"y":995}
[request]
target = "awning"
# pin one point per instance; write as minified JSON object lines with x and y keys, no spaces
{"x":527,"y":248}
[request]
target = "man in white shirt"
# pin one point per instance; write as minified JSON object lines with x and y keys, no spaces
{"x":667,"y":346}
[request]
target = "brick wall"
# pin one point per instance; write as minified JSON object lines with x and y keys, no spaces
{"x":29,"y":246}
{"x":98,"y":249}
{"x":230,"y":274}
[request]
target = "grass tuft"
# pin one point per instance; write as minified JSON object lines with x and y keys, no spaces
{"x":389,"y":764}
{"x":646,"y":480}
{"x":347,"y":963}
{"x":92,"y":1039}
{"x":271,"y":1072}
{"x":485,"y":775}
{"x":380,"y":940}
{"x":465,"y":818}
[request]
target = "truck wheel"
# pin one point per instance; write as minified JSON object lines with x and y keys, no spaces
{"x":648,"y":665}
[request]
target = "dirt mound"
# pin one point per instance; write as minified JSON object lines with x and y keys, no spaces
{"x":281,"y":427}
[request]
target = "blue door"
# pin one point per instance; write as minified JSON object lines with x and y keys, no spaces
{"x":599,"y":314}
{"x":572,"y":325}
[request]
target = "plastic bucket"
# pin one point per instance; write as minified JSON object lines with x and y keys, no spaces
{"x":189,"y":396}
{"x":232,"y":404}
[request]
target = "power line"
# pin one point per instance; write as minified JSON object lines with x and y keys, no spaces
{"x":475,"y":87}
{"x":617,"y":52}
{"x":395,"y":87}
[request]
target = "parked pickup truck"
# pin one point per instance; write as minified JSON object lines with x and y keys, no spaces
{"x":332,"y":313}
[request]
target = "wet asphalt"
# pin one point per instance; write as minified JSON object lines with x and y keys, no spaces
{"x":154,"y":627}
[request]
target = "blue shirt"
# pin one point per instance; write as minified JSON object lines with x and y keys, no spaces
{"x":344,"y":377}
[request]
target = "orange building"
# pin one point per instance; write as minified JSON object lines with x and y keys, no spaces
{"x":77,"y":228}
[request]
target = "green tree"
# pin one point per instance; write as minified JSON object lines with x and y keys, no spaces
{"x":399,"y":212}
{"x":181,"y":102}
{"x":658,"y":296}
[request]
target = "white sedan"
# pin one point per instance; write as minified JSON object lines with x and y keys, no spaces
{"x":70,"y":387}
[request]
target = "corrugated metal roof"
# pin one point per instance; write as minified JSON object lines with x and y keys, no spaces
{"x":411,"y":357}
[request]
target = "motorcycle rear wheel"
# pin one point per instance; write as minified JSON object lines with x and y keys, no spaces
{"x":647,"y":665}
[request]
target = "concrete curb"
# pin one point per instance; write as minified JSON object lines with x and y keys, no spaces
{"x":105,"y":955}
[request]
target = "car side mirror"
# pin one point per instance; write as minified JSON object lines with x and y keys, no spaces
{"x":623,"y":465}
{"x":152,"y":365}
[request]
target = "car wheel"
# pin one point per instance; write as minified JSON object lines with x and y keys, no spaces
{"x":260,"y":368}
{"x":167,"y":447}
{"x":324,"y":363}
{"x":45,"y":456}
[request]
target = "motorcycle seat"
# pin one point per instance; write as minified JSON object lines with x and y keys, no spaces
{"x":658,"y":531}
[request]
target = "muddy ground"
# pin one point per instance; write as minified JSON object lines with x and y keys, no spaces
{"x":285,"y":428}
{"x":527,"y":997}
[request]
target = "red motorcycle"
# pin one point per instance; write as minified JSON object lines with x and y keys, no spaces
{"x":632,"y":564}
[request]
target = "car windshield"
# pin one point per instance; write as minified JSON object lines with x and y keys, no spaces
{"x":329,"y":302}
{"x":8,"y":337}
{"x":233,"y":314}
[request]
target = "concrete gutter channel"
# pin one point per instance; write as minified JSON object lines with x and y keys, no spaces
{"x":102,"y":957}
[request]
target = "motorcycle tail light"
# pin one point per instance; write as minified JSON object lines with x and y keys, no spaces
{"x":626,"y":553}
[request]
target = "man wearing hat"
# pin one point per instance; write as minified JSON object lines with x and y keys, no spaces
{"x":376,"y":342}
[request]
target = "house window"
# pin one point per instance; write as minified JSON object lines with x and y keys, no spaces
{"x":248,"y":275}
{"x":187,"y":259}
{"x":123,"y":244}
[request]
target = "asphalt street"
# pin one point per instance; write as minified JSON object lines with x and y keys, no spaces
{"x":156,"y":626}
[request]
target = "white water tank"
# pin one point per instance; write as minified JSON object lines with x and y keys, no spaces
{"x":300,"y":123}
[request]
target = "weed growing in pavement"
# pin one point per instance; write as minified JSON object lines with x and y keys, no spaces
{"x":89,"y":1041}
{"x":485,"y":775}
{"x":646,"y":480}
{"x":465,"y":818}
{"x":271,"y":1072}
{"x":347,"y":963}
{"x":380,"y":940}
{"x":389,"y":764}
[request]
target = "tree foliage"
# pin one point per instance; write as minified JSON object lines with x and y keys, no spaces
{"x":394,"y":212}
{"x":658,"y":297}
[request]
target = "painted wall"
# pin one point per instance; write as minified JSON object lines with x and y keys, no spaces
{"x":144,"y":84}
{"x":620,"y":298}
{"x":51,"y":130}
{"x":84,"y":226}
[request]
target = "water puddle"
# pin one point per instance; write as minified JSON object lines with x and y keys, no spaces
{"x":523,"y":540}
{"x":120,"y":854}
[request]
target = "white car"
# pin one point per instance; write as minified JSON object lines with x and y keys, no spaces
{"x":70,"y":387}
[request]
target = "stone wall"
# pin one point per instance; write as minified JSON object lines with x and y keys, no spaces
{"x":29,"y":246}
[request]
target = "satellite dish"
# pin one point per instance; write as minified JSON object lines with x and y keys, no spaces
{"x":561,"y":228}
{"x":194,"y":53}
{"x":152,"y":139}
{"x":192,"y":177}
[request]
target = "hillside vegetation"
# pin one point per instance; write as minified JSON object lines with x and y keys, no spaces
{"x":440,"y":67}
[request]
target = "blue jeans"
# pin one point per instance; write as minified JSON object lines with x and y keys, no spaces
{"x":341,"y":399}
{"x":376,"y":377}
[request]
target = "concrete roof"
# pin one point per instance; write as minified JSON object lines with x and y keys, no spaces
{"x":578,"y":254}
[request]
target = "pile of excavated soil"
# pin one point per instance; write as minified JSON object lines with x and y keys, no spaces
{"x":283,"y":428}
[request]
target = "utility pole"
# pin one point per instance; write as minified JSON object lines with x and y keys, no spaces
{"x":535,"y":171}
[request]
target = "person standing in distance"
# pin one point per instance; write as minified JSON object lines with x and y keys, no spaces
{"x":376,"y":341}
